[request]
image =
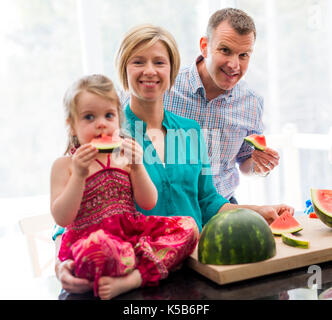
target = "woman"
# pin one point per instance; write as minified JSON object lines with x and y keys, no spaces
{"x":175,"y":154}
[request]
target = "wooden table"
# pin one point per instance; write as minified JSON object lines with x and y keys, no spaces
{"x":286,"y":258}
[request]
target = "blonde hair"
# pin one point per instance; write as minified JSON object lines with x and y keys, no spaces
{"x":97,"y":84}
{"x":149,"y":35}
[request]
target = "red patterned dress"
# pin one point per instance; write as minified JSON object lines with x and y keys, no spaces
{"x":110,"y":238}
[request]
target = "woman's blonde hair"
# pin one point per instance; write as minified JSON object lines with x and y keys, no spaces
{"x":149,"y":35}
{"x":97,"y":84}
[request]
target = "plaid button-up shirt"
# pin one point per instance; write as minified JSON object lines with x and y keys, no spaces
{"x":225,"y":121}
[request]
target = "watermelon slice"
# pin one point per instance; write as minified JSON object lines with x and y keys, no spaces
{"x":294,"y":241}
{"x":285,"y":223}
{"x":257,"y":141}
{"x":322,"y":202}
{"x":107,"y":144}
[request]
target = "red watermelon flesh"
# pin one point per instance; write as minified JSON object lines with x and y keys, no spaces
{"x":285,"y":223}
{"x":107,"y":143}
{"x":257,"y":141}
{"x":313,"y":215}
{"x":324,"y":198}
{"x":322,"y":203}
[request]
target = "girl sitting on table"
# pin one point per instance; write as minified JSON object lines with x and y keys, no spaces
{"x":175,"y":154}
{"x":93,"y":194}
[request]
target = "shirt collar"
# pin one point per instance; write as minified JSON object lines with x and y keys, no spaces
{"x":197,"y":84}
{"x":131,"y":119}
{"x":194,"y":78}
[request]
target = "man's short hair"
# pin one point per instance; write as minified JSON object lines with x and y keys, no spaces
{"x":241,"y":22}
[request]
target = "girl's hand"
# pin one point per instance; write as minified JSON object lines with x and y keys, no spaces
{"x":83,"y":158}
{"x":133,"y":152}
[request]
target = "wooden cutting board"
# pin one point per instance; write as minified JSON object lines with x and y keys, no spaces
{"x":286,"y":258}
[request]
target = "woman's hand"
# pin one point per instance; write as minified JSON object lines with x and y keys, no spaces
{"x":83,"y":158}
{"x":64,"y":272}
{"x":270,"y":213}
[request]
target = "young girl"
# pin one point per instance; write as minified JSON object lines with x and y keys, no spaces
{"x":92,"y":195}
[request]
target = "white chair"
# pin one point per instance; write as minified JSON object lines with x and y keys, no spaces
{"x":37,"y":229}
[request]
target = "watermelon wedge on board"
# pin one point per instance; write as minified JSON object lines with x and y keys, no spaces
{"x":257,"y":141}
{"x":107,"y":144}
{"x":285,"y":223}
{"x":322,"y":203}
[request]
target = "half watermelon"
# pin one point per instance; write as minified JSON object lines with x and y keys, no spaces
{"x":322,"y":202}
{"x":257,"y":141}
{"x":234,"y":237}
{"x":285,"y":223}
{"x":107,"y":144}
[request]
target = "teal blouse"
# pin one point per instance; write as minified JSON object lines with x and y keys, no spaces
{"x":184,"y":182}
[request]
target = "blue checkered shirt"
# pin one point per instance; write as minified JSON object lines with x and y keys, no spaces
{"x":225,"y":121}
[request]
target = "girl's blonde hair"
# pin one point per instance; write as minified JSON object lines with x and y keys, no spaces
{"x":97,"y":84}
{"x":149,"y":35}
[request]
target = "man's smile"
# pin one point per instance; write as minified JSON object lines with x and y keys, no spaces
{"x":230,"y":75}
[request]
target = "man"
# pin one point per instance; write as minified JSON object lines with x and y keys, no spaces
{"x":212,"y":93}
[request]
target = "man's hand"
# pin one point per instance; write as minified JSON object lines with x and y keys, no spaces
{"x":264,"y":161}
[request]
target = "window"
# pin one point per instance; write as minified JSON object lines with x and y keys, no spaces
{"x":47,"y":44}
{"x":291,"y":69}
{"x":41,"y":55}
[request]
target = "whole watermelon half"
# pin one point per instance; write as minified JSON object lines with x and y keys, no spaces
{"x":234,"y":237}
{"x":322,"y":202}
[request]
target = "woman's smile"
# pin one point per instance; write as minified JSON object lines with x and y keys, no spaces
{"x":148,"y":72}
{"x":149,"y":83}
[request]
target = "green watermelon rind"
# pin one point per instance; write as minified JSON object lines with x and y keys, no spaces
{"x":279,"y":232}
{"x":257,"y":241}
{"x":291,"y":240}
{"x":325,"y":217}
{"x":254,"y":144}
{"x":109,"y":147}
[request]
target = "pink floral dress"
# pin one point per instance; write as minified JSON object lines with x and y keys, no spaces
{"x":110,"y":238}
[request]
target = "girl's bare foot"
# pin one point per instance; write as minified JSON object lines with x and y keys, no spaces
{"x":110,"y":287}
